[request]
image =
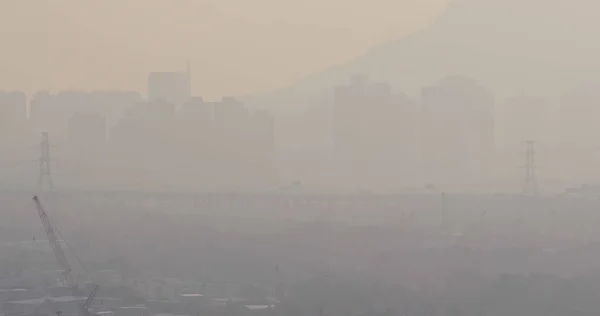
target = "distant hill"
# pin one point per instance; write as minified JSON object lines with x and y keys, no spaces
{"x":544,"y":47}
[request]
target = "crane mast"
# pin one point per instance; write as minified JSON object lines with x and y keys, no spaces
{"x":55,"y":244}
{"x":62,"y":259}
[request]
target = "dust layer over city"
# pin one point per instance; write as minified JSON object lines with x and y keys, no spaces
{"x":299,"y":158}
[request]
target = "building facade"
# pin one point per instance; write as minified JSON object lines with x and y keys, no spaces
{"x":457,"y":133}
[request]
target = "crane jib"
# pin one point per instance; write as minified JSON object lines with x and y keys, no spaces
{"x":62,"y":260}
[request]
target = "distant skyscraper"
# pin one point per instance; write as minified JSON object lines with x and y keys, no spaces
{"x":244,"y":141}
{"x":194,"y":119}
{"x":457,"y":129}
{"x":13,"y":116}
{"x":87,"y":131}
{"x":523,"y":118}
{"x":52,"y":112}
{"x":374,"y":135}
{"x":172,"y":87}
{"x":261,"y":137}
{"x":577,"y":120}
{"x":196,"y":142}
{"x":145,"y":127}
{"x":111,"y":104}
{"x":13,"y":106}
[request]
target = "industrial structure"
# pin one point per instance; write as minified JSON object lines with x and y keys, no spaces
{"x":63,"y":262}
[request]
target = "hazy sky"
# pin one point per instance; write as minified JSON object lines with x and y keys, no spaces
{"x":236,"y":46}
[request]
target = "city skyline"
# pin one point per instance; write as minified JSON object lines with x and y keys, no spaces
{"x":299,"y":158}
{"x":427,"y":111}
{"x":456,"y":137}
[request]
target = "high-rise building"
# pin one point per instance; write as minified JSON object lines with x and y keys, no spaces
{"x":145,"y":127}
{"x":374,"y":136}
{"x":576,"y":124}
{"x":13,"y":106}
{"x":111,"y":104}
{"x":457,"y":129}
{"x":13,"y":116}
{"x":87,"y":131}
{"x":197,"y":144}
{"x":261,"y":141}
{"x":83,"y":159}
{"x":218,"y":145}
{"x":52,"y":112}
{"x":171,"y":87}
{"x":143,"y":143}
{"x":231,"y":120}
{"x":523,"y":118}
{"x":195,"y":124}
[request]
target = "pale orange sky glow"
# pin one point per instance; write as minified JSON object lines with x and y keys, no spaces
{"x":235,"y":46}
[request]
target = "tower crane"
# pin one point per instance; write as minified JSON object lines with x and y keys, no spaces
{"x":62,"y":260}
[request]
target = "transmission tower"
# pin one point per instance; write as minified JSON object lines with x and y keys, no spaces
{"x":531,"y":184}
{"x":45,"y":166}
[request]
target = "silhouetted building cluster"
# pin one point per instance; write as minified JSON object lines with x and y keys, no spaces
{"x":375,"y":134}
{"x":457,"y":133}
{"x":361,"y":137}
{"x":522,"y":118}
{"x":116,"y":139}
{"x":382,"y":138}
{"x":13,"y":117}
{"x":578,"y":113}
{"x":52,"y":112}
{"x":87,"y":131}
{"x":206,"y":144}
{"x":171,"y":87}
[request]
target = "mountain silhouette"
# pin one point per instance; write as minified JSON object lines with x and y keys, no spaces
{"x":546,"y":47}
